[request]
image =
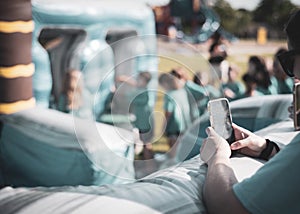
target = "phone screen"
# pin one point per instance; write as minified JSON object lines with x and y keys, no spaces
{"x":297,"y":106}
{"x":220,"y":118}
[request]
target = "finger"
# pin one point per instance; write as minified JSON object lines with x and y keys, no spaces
{"x":240,"y":144}
{"x":241,"y":129}
{"x":238,"y":127}
{"x":207,"y":130}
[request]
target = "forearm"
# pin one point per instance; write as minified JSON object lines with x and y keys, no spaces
{"x":218,"y":191}
{"x":126,"y":79}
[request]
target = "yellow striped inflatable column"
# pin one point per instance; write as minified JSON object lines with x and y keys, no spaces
{"x":16,"y":67}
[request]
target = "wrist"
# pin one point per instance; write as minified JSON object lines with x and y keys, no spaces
{"x":269,"y":150}
{"x":218,"y":158}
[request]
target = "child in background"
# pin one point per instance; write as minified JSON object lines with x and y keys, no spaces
{"x":177,"y":109}
{"x":257,"y":68}
{"x":196,"y":93}
{"x":233,"y":89}
{"x":139,"y":106}
{"x":250,"y":85}
{"x":211,"y":92}
{"x":283,"y":83}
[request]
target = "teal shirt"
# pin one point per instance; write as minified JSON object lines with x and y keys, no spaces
{"x":283,"y":86}
{"x":141,"y":109}
{"x":286,"y":86}
{"x":176,"y":102}
{"x":256,"y":93}
{"x":236,"y":87}
{"x":196,"y":95}
{"x":197,"y":91}
{"x":275,"y":187}
{"x":270,"y":90}
{"x":212,"y":93}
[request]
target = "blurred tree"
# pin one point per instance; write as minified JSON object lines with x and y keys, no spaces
{"x":234,"y":21}
{"x":271,"y":13}
{"x":274,"y":13}
{"x":243,"y":20}
{"x":225,"y":11}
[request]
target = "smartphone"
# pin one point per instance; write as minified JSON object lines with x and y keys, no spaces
{"x":220,"y":118}
{"x":296,"y":106}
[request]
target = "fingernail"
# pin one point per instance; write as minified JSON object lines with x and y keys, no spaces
{"x":233,"y":146}
{"x":207,"y":130}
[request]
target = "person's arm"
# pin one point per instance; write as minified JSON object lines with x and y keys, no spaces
{"x":218,"y":187}
{"x":126,"y":79}
{"x":168,"y":107}
{"x":168,"y":115}
{"x":215,"y":152}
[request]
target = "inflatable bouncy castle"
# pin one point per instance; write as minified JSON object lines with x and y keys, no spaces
{"x":39,"y":42}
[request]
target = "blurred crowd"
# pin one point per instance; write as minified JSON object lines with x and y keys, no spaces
{"x":186,"y":98}
{"x":260,"y":77}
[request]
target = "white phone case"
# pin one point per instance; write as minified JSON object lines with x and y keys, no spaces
{"x":220,"y":117}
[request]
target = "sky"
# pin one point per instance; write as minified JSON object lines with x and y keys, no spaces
{"x":250,"y":4}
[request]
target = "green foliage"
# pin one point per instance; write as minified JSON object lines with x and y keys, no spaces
{"x":234,"y":21}
{"x":274,"y":13}
{"x":225,"y":11}
{"x":271,"y":13}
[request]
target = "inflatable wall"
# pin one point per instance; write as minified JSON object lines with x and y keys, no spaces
{"x":16,"y":67}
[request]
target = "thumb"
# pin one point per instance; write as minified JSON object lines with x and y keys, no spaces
{"x":240,"y":144}
{"x":211,"y":132}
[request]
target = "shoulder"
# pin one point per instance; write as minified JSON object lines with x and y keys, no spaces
{"x":270,"y":182}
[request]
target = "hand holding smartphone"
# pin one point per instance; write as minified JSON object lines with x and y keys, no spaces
{"x":220,"y":118}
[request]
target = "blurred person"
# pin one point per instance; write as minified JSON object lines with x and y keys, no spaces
{"x":163,"y":18}
{"x":177,"y":109}
{"x":196,"y":93}
{"x":257,"y":68}
{"x":202,"y":79}
{"x":211,"y":92}
{"x":172,"y":33}
{"x":139,"y":106}
{"x":274,"y":188}
{"x":233,"y":88}
{"x":283,"y":82}
{"x":217,"y":58}
{"x":108,"y":103}
{"x":217,"y":52}
{"x":250,"y":86}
